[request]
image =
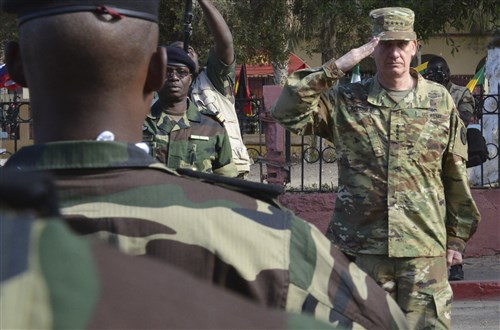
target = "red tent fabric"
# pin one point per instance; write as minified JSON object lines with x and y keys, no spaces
{"x":294,"y":63}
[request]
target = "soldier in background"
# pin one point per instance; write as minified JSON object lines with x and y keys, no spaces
{"x":213,"y":87}
{"x":88,"y":135}
{"x":404,"y":209}
{"x":438,"y":71}
{"x":178,"y":134}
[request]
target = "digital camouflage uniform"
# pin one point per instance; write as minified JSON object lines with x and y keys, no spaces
{"x":116,"y":192}
{"x":403,"y":189}
{"x":196,"y":141}
{"x":464,"y":101}
{"x":53,"y":279}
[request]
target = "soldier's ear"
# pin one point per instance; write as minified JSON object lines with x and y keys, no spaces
{"x":14,"y":63}
{"x":414,"y":47}
{"x":156,"y":70}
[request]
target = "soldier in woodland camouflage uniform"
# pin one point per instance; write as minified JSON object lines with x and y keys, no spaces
{"x":115,"y":191}
{"x":404,"y":209}
{"x":53,"y":279}
{"x":177,"y":133}
{"x":213,"y":87}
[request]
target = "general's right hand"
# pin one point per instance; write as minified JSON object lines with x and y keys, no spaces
{"x":355,"y":55}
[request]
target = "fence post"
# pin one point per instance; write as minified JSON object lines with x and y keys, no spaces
{"x":277,"y":170}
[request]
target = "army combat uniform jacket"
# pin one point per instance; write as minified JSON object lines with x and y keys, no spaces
{"x":197,"y":141}
{"x":118,"y":193}
{"x":403,"y":188}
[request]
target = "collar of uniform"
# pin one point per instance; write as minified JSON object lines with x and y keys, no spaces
{"x":192,"y":112}
{"x":68,"y":155}
{"x":378,"y":96}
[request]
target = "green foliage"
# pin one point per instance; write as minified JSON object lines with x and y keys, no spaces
{"x":8,"y":30}
{"x":268,"y":30}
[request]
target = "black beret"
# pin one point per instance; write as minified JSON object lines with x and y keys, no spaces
{"x":30,"y":9}
{"x":177,"y":56}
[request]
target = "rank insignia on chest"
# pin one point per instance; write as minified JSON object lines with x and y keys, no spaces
{"x":198,"y":137}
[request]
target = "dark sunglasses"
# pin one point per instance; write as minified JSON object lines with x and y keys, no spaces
{"x":181,"y":72}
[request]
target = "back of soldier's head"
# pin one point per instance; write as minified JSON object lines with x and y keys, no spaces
{"x":68,"y":44}
{"x":438,"y":70}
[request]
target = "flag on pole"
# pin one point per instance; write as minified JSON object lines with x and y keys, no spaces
{"x":242,"y":92}
{"x":478,"y":79}
{"x":5,"y":81}
{"x":422,"y":68}
{"x":355,"y":75}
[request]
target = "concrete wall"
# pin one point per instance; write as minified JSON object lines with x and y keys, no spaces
{"x":317,"y":208}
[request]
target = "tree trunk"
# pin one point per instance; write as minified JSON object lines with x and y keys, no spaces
{"x":490,"y":122}
{"x":280,"y":71}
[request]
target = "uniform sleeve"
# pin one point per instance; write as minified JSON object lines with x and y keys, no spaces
{"x":303,"y":106}
{"x":462,"y":214}
{"x":325,"y":284}
{"x":220,"y":74}
{"x":466,"y":106}
{"x":224,"y":164}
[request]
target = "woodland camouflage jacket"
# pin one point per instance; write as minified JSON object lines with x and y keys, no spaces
{"x":116,"y":192}
{"x":52,"y":279}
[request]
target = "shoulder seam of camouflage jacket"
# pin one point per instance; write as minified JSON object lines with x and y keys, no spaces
{"x":268,"y":193}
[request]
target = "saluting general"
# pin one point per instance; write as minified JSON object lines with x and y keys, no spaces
{"x":404,"y":210}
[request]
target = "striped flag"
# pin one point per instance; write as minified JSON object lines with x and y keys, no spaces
{"x":242,"y":92}
{"x":478,"y":79}
{"x":422,"y":68}
{"x":355,"y":74}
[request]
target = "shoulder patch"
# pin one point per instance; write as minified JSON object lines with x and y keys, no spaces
{"x":460,"y":144}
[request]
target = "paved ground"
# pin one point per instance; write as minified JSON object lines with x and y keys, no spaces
{"x":485,"y":268}
{"x":475,"y":315}
{"x":477,"y":299}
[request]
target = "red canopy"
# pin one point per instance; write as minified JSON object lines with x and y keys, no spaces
{"x":294,"y":63}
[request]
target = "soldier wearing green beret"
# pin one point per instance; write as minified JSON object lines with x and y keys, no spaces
{"x":92,"y":70}
{"x":404,"y":209}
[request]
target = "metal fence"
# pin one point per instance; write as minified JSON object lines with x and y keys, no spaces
{"x":311,"y":161}
{"x":15,"y":125}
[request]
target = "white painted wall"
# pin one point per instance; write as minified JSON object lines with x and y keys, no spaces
{"x":490,"y":123}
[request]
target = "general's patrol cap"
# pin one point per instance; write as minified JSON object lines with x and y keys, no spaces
{"x":393,"y":23}
{"x":30,"y":9}
{"x":178,"y":57}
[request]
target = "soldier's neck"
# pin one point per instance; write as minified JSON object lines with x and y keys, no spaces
{"x":176,"y":108}
{"x":404,"y":83}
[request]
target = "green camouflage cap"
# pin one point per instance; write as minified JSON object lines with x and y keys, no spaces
{"x":393,"y":23}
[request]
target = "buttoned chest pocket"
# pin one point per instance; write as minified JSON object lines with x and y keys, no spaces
{"x":201,"y":153}
{"x":427,"y":136}
{"x":362,"y":133}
